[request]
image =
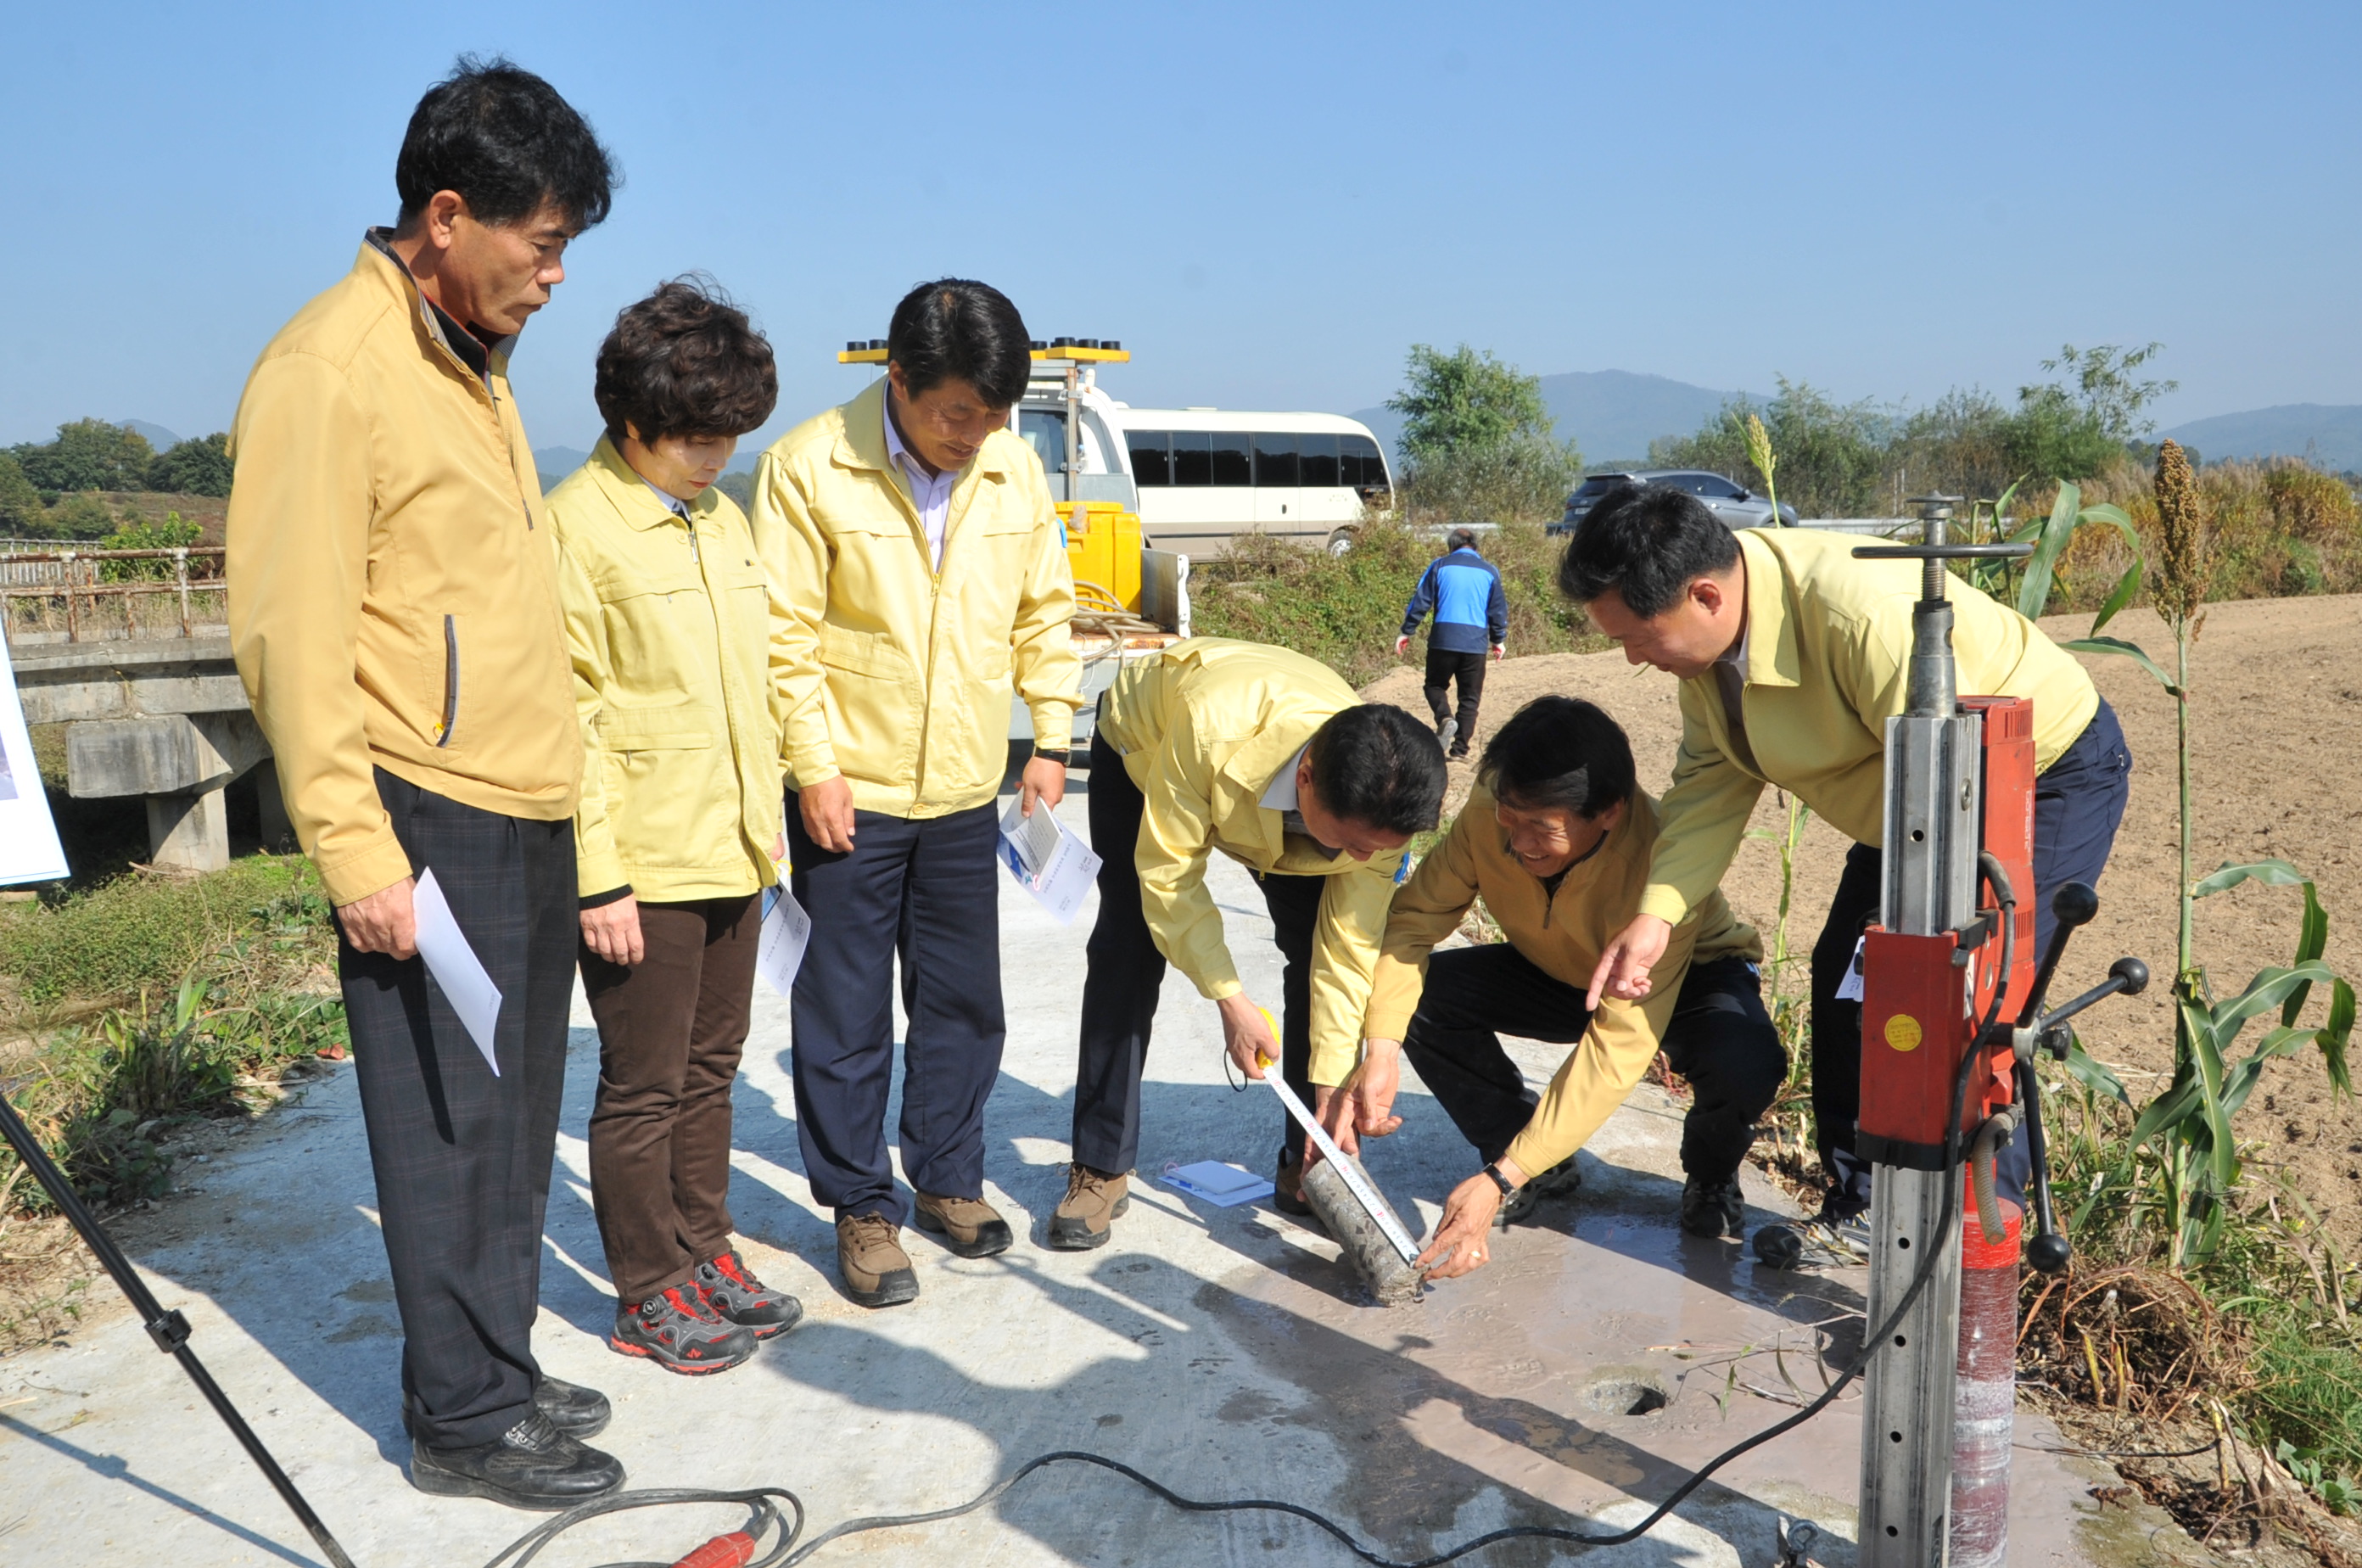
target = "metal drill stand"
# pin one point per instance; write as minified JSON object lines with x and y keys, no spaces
{"x":1940,"y":1070}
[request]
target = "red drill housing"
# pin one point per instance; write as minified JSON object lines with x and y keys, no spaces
{"x":1924,"y":996}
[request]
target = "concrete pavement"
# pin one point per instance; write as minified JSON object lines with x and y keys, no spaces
{"x":1224,"y":1350}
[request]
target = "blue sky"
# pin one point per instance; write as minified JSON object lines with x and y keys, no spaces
{"x":1267,"y":203}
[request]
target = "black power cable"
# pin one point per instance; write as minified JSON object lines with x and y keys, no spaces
{"x":785,"y":1553}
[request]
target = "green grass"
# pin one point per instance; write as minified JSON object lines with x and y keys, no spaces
{"x":140,"y":931}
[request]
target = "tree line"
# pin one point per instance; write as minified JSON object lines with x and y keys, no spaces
{"x":47,"y":488}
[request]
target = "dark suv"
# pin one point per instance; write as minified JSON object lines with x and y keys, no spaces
{"x":1737,"y":506}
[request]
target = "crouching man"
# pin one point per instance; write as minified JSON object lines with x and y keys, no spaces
{"x":1269,"y":757}
{"x":1556,"y":838}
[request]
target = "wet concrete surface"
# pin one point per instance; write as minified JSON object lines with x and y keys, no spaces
{"x":1230,"y":1353}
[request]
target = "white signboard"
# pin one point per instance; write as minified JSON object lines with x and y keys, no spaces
{"x":29,"y":850}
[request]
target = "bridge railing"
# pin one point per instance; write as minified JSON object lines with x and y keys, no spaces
{"x":106,"y":578}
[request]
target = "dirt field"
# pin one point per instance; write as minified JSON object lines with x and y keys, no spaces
{"x":2277,"y":719}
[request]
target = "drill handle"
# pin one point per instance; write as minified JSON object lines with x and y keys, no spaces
{"x":2074,"y":904}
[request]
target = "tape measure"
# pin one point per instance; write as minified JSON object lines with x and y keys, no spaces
{"x":1357,"y":1181}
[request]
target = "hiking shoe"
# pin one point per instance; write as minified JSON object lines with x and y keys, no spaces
{"x":1287,"y":1190}
{"x":969,"y":1226}
{"x":1086,"y":1216}
{"x":1459,"y":752}
{"x":736,"y":1295}
{"x":679,"y":1332}
{"x":576,"y":1411}
{"x":1446,"y":730}
{"x":531,"y":1465}
{"x":870,"y":1260}
{"x":1712,"y":1209}
{"x":1562,"y":1180}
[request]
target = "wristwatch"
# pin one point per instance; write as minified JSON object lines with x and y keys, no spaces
{"x":1499,"y":1180}
{"x":1062,"y":757}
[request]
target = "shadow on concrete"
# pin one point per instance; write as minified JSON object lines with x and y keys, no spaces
{"x":117,"y":1469}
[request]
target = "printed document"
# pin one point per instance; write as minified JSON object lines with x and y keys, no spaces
{"x":455,"y":966}
{"x":780,"y":952}
{"x":1047,"y":859}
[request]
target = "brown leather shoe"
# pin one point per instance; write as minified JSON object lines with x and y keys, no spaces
{"x":969,"y":1226}
{"x":1086,"y":1218}
{"x":870,"y":1260}
{"x":1287,"y":1191}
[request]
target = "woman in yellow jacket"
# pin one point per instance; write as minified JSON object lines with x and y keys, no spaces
{"x":671,"y":623}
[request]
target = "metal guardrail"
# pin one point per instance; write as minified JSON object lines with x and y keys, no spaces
{"x":79,"y":572}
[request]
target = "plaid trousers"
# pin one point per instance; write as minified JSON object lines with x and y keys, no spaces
{"x":462,"y":1158}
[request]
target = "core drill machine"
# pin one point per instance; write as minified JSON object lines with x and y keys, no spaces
{"x":1951,"y":1016}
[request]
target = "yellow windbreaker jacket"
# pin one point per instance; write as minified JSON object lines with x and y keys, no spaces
{"x":1204,"y":728}
{"x":1828,"y":656}
{"x":898,"y":676}
{"x":674,"y":628}
{"x":1562,"y":936}
{"x":392,"y":590}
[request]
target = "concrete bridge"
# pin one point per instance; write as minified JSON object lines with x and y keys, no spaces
{"x":159,"y":717}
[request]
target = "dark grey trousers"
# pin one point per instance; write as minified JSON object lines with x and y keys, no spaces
{"x":462,"y":1158}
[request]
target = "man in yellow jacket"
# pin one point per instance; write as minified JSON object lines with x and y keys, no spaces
{"x":913,"y":536}
{"x":1556,"y":839}
{"x":394,"y":606}
{"x":1270,"y":758}
{"x":1793,"y":655}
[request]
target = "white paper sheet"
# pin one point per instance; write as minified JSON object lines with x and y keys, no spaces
{"x":1047,"y":859}
{"x":1850,"y":989}
{"x":455,"y":966}
{"x":1224,"y":1185}
{"x":780,"y":953}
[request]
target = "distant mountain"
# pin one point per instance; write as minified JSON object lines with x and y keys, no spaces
{"x":2327,"y":434}
{"x":163,"y":440}
{"x":1611,"y":415}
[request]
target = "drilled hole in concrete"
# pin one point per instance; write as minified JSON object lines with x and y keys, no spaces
{"x":1625,"y":1396}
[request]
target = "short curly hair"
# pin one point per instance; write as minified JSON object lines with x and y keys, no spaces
{"x":685,"y":361}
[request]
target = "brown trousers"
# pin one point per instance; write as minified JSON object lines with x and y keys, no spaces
{"x":671,"y":1031}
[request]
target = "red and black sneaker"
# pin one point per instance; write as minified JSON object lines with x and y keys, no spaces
{"x":736,"y":1295}
{"x":675,"y":1330}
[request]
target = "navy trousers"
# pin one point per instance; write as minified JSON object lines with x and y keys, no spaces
{"x":1124,"y":973}
{"x":2077,"y":802}
{"x":1720,"y":1039}
{"x":926,"y":891}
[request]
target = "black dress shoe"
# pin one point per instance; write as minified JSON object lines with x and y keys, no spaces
{"x":576,"y":1411}
{"x":531,"y":1465}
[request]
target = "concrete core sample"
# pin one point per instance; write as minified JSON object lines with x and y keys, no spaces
{"x":1393,"y":1282}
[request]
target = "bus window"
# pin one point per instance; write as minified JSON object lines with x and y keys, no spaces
{"x":1152,"y":455}
{"x":1317,"y":464}
{"x":1191,"y":462}
{"x":1361,"y":466}
{"x":1274,"y":459}
{"x":1046,"y":434}
{"x":1231,"y":464}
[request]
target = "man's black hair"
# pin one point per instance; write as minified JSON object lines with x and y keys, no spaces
{"x":1558,"y":754}
{"x":1461,"y":539}
{"x":507,"y":143}
{"x":1377,"y":765}
{"x":1648,"y":543}
{"x":959,"y":329}
{"x":684,"y":361}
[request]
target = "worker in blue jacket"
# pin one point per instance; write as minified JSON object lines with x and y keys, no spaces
{"x":1472,"y":616}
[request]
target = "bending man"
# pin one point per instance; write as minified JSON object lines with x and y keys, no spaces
{"x":1793,"y":655}
{"x":1556,"y":839}
{"x":1269,"y":757}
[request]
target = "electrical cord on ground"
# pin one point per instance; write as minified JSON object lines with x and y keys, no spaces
{"x":786,"y":1553}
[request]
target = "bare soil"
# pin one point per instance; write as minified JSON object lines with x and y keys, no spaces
{"x":2277,"y":723}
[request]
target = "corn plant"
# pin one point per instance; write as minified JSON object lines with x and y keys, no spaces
{"x":2189,"y":1126}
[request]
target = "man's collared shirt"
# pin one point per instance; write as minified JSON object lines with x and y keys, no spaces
{"x":931,"y":493}
{"x":1281,"y":798}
